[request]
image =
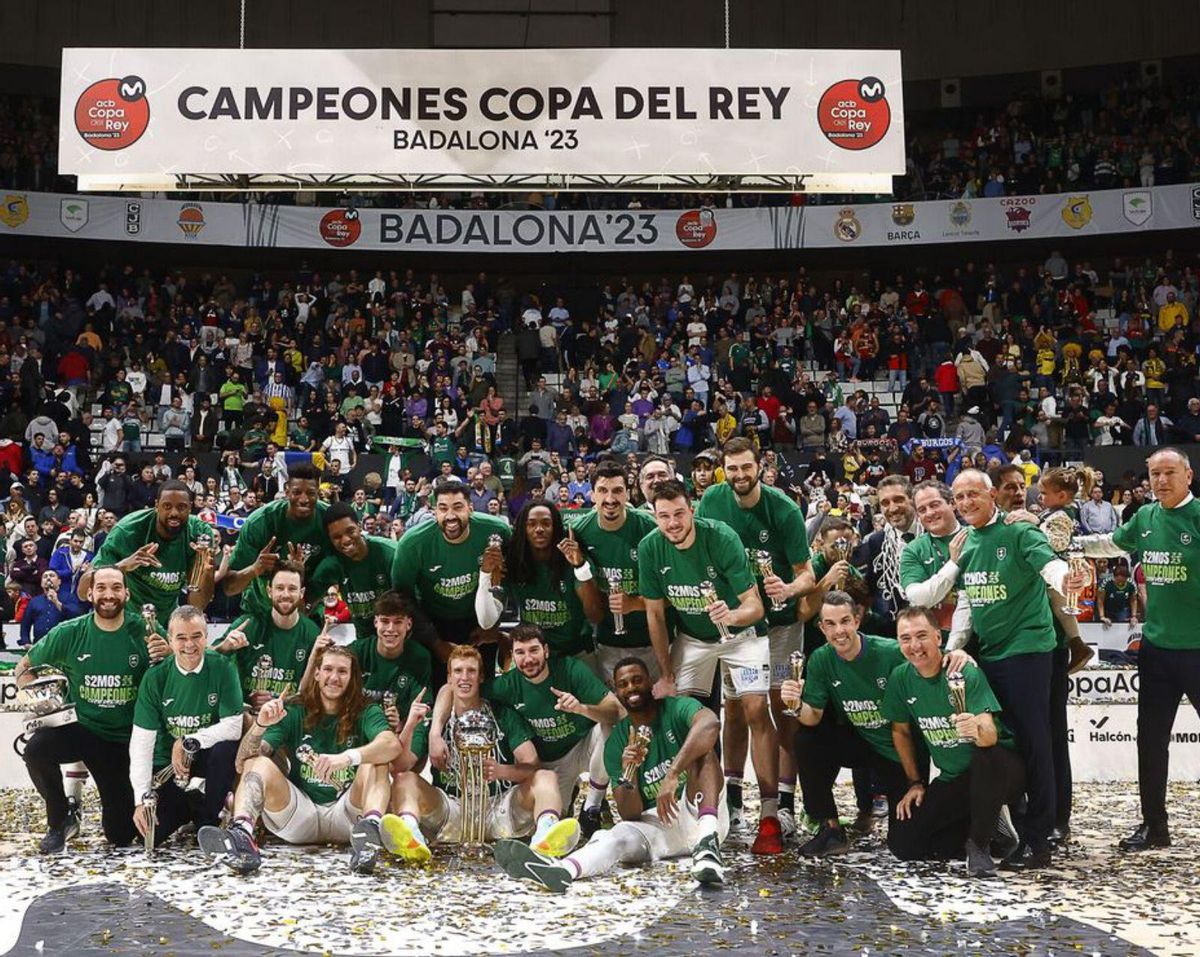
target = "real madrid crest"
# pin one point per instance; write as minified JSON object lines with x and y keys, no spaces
{"x":847,"y":228}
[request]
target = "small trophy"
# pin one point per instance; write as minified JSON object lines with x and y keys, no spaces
{"x":839,"y":550}
{"x":708,"y":593}
{"x":766,"y":568}
{"x":150,"y":614}
{"x":957,"y":686}
{"x":45,"y":698}
{"x":1076,"y":562}
{"x":305,"y":754}
{"x":389,"y":700}
{"x":496,"y":541}
{"x":640,"y":736}
{"x":615,"y":578}
{"x":796,"y":663}
{"x":150,"y":803}
{"x":262,"y":673}
{"x":191,"y":747}
{"x":203,"y":546}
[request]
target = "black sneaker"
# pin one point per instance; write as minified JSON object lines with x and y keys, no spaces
{"x":591,"y":819}
{"x":365,"y":845}
{"x":1027,"y":859}
{"x":707,"y":866}
{"x":55,"y":841}
{"x":517,"y":859}
{"x":829,"y":841}
{"x":864,"y":823}
{"x":233,"y":845}
{"x":1060,"y":835}
{"x":979,"y":861}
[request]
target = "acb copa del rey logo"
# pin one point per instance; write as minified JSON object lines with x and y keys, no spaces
{"x":113,"y":114}
{"x":854,"y":114}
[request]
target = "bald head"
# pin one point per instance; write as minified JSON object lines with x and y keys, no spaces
{"x":973,"y":497}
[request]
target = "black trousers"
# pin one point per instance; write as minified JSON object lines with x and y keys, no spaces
{"x":1060,"y":687}
{"x":1022,"y":686}
{"x":822,"y":751}
{"x":966,"y":806}
{"x":1164,"y":676}
{"x":108,"y":762}
{"x":177,"y":808}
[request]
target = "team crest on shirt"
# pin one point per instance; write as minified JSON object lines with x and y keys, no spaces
{"x":1001,"y":552}
{"x":763,"y":536}
{"x":300,"y":654}
{"x":882,"y":682}
{"x":712,"y":572}
{"x":133,"y":661}
{"x":633,"y":555}
{"x":212,"y":700}
{"x":1185,"y":538}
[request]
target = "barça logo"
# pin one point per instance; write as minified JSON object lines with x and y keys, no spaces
{"x":903,"y":214}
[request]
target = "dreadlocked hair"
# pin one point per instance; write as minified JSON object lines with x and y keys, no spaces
{"x":351,"y":704}
{"x":519,"y":563}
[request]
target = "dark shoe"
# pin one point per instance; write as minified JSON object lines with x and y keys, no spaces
{"x":707,"y":867}
{"x":1060,"y":835}
{"x":1005,"y":840}
{"x":233,"y":845}
{"x":1027,"y":859}
{"x":55,"y":841}
{"x":979,"y":861}
{"x":517,"y":859}
{"x":591,"y":819}
{"x":865,"y":822}
{"x":1146,"y":837}
{"x":829,"y":841}
{"x":365,"y":845}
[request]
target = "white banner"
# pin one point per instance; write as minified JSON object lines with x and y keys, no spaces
{"x":1060,"y":217}
{"x":154,"y":113}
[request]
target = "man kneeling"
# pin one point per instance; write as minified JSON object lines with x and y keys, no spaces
{"x":336,"y":788}
{"x":963,"y":809}
{"x":522,"y":798}
{"x":676,"y":758}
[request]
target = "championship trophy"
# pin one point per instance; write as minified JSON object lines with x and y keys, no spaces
{"x":203,"y":546}
{"x":639,"y":736}
{"x":388,"y":700}
{"x":839,"y":550}
{"x":1059,"y":529}
{"x":474,"y":735}
{"x":191,"y":747}
{"x":45,"y":698}
{"x":796,"y":663}
{"x":262,"y":673}
{"x":708,"y":593}
{"x":766,"y":568}
{"x":957,"y":686}
{"x":496,"y":541}
{"x":615,"y":578}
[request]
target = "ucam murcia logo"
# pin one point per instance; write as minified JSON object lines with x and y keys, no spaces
{"x":1138,"y":206}
{"x":855,"y":114}
{"x":73,"y":213}
{"x":113,"y":114}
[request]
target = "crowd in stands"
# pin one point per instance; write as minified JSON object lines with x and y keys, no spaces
{"x":115,"y":382}
{"x":1127,"y":135}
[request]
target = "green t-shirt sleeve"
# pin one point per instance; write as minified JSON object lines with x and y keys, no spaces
{"x":731,"y":561}
{"x":287,"y":732}
{"x":118,"y":545}
{"x":683,"y":712}
{"x":516,"y":729}
{"x":1034,"y":547}
{"x":251,"y":540}
{"x":373,"y":723}
{"x":892,"y":707}
{"x":52,"y":648}
{"x":816,"y":684}
{"x":147,"y":712}
{"x":795,"y":537}
{"x":584,"y":684}
{"x":230,"y":701}
{"x":910,"y":566}
{"x":649,"y":582}
{"x":328,"y":572}
{"x":405,"y":564}
{"x":613,"y":748}
{"x":1126,"y":536}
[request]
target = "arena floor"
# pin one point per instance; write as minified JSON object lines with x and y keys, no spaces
{"x":1095,"y":902}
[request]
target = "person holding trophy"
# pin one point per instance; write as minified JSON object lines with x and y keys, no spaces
{"x":186,"y":724}
{"x":103,"y":656}
{"x":335,"y":789}
{"x":670,"y":792}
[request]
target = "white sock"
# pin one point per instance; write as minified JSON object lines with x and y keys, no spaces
{"x":770,"y":808}
{"x":545,"y":821}
{"x":414,"y":825}
{"x":595,"y":795}
{"x":706,"y":825}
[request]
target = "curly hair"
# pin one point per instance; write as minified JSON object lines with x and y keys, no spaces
{"x":351,"y":704}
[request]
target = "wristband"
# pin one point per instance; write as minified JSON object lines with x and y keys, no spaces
{"x":583,"y":573}
{"x":917,"y":783}
{"x":485,"y":580}
{"x":355,"y":757}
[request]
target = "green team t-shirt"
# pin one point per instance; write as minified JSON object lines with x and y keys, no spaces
{"x":412,"y":668}
{"x":442,"y":449}
{"x":290,"y":733}
{"x":443,"y":576}
{"x":668,"y":731}
{"x":272,"y":521}
{"x":616,"y":553}
{"x":513,"y":731}
{"x":999,"y":570}
{"x":1118,"y":599}
{"x":176,"y":705}
{"x":925,"y":702}
{"x":1169,"y":541}
{"x":360,"y":583}
{"x":104,"y":669}
{"x":856,"y":687}
{"x":288,"y":649}
{"x":554,"y":606}
{"x":163,"y":586}
{"x":554,"y":732}
{"x":921,"y":559}
{"x":775,"y":525}
{"x":666,"y":573}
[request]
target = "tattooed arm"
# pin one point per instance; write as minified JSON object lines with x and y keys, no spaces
{"x":252,"y":745}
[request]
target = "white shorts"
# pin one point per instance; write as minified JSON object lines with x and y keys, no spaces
{"x":607,"y":657}
{"x":745,"y":664}
{"x":784,"y":639}
{"x":505,"y":819}
{"x":303,"y":822}
{"x":675,"y":840}
{"x":587,"y":757}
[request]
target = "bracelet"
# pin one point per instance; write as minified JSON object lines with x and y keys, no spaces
{"x":261,"y":727}
{"x":355,"y":757}
{"x":583,"y":573}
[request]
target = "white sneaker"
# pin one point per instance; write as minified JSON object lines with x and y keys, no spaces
{"x":787,"y":823}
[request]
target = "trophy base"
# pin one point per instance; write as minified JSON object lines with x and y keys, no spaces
{"x":53,"y":719}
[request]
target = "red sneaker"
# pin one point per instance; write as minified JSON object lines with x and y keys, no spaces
{"x":770,"y":837}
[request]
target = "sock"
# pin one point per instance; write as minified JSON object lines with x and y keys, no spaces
{"x":572,"y":868}
{"x":595,"y":795}
{"x":245,"y":824}
{"x":414,"y":825}
{"x":787,"y":796}
{"x":545,"y":821}
{"x":706,"y":823}
{"x":733,"y":790}
{"x":372,"y":816}
{"x":770,"y":808}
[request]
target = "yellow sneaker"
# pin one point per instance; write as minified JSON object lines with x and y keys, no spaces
{"x":399,"y":839}
{"x":560,"y":840}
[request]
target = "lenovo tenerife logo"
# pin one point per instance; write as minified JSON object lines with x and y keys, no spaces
{"x":113,"y":114}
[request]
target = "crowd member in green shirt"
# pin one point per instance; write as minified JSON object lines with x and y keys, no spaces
{"x":336,"y":788}
{"x":1117,"y":598}
{"x":439,"y":564}
{"x":272,"y":651}
{"x":522,"y":798}
{"x":698,"y":569}
{"x":980,"y":773}
{"x":771,"y":526}
{"x":669,"y":792}
{"x":929,"y":563}
{"x":103,"y":655}
{"x":610,"y":534}
{"x":194,"y":695}
{"x":1167,"y":535}
{"x":154,"y":547}
{"x":1003,"y":573}
{"x":290,"y":528}
{"x":232,"y":397}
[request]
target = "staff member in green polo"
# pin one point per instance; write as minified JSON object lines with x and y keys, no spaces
{"x":1167,"y":534}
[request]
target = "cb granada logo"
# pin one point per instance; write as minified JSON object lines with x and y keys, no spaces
{"x":341,"y":227}
{"x":696,"y":228}
{"x":113,"y":114}
{"x":854,"y":114}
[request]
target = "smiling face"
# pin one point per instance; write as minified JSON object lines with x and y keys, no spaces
{"x":453,"y":515}
{"x":173,"y":509}
{"x":921,"y":643}
{"x":108,"y":593}
{"x":188,"y":638}
{"x":1170,"y":477}
{"x":675,"y":519}
{"x":973,"y":498}
{"x":653,"y":475}
{"x":539,"y":525}
{"x":839,"y":625}
{"x":463,"y":678}
{"x":346,"y":537}
{"x":531,"y":657}
{"x":631,"y":683}
{"x":935,"y":513}
{"x":285,"y":592}
{"x":897,"y":506}
{"x":333,"y":673}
